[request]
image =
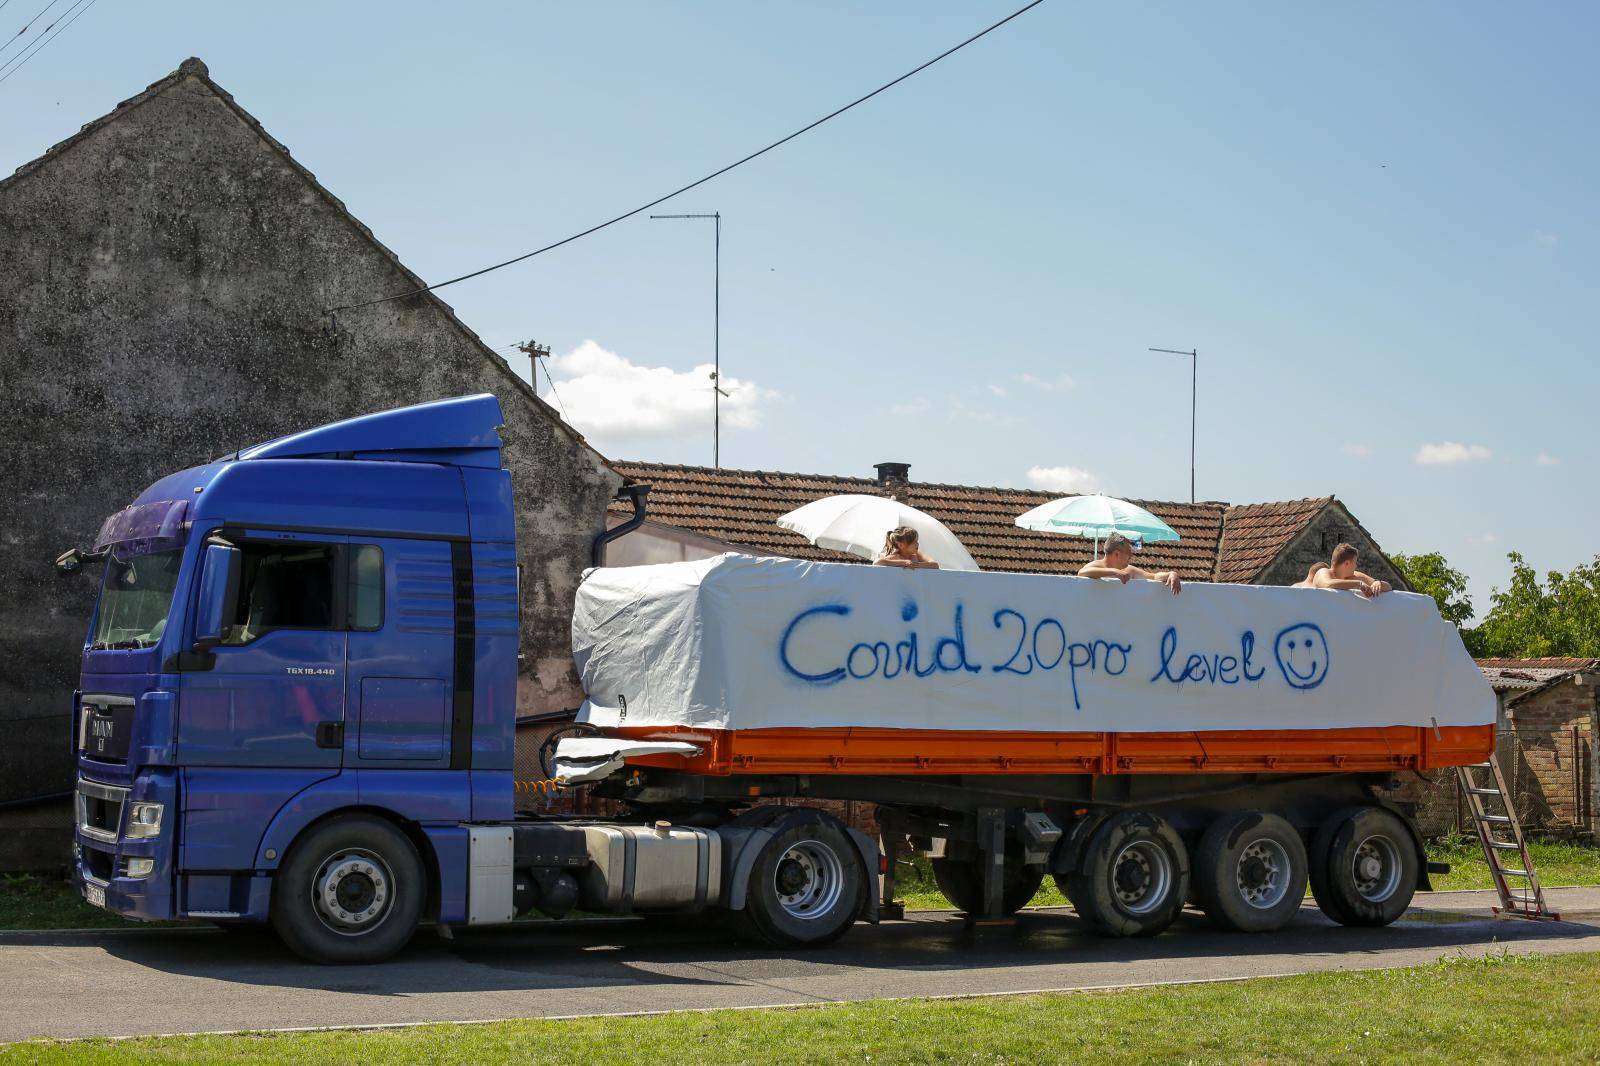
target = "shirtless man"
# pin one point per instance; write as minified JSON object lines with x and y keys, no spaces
{"x":1117,"y":562}
{"x":1344,"y":575}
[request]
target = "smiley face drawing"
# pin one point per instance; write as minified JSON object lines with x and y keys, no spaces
{"x":1302,"y":653}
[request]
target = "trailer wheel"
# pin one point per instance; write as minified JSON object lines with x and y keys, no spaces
{"x":961,"y":882}
{"x":350,"y":891}
{"x":1364,"y":867}
{"x":1135,"y":876}
{"x":807,"y":886}
{"x":1250,"y":872}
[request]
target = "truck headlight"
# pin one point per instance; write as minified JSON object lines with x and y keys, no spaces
{"x":144,"y":820}
{"x":140,"y":867}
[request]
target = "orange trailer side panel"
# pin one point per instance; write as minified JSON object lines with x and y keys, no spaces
{"x":938,"y":751}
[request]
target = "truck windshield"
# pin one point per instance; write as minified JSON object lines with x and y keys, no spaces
{"x":135,"y":599}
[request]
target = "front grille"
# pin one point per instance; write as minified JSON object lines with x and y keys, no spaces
{"x":105,"y":727}
{"x":100,"y":810}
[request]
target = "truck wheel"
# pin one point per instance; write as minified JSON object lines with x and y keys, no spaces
{"x":350,"y":891}
{"x":1364,"y":867}
{"x":1137,"y":876}
{"x":807,"y":886}
{"x":961,"y":882}
{"x":1250,"y":872}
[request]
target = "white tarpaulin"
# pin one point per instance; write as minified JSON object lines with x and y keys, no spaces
{"x":736,"y":642}
{"x":581,"y":759}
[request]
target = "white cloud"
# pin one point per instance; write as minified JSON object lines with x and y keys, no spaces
{"x":1448,"y":453}
{"x":918,"y":406}
{"x":1061,"y":383}
{"x":996,"y":390}
{"x":1360,"y":451}
{"x":960,"y":409}
{"x":1546,"y":459}
{"x":1546,"y":238}
{"x":1062,"y":479}
{"x":608,"y":397}
{"x":1483,"y":538}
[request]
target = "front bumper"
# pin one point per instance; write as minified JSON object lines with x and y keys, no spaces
{"x":102,"y":851}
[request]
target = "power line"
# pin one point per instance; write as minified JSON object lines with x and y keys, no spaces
{"x":46,"y":40}
{"x":536,"y":353}
{"x":27,"y":25}
{"x":695,"y":184}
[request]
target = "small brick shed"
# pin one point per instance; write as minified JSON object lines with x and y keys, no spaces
{"x":1546,"y":742}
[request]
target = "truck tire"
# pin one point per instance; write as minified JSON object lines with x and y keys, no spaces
{"x":807,"y":887}
{"x":1364,"y":867}
{"x":961,"y":882}
{"x":1250,"y":872}
{"x":350,"y":891}
{"x":1135,"y":876}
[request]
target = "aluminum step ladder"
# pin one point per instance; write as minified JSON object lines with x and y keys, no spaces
{"x":1520,"y":893}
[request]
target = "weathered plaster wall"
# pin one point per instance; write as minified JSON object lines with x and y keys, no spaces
{"x":161,"y":303}
{"x":1316,"y":543}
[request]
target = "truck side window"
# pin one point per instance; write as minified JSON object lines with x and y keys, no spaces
{"x":366,"y":587}
{"x":283,"y":586}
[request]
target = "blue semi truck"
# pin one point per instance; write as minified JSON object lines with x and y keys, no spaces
{"x":298,"y":702}
{"x":297,"y":705}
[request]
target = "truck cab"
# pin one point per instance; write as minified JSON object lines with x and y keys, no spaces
{"x":326,"y":621}
{"x":298,"y":702}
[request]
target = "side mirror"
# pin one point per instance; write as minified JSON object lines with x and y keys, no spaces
{"x":69,"y":562}
{"x":219,"y":592}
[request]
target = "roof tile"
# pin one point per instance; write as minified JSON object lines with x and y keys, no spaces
{"x":743,"y":506}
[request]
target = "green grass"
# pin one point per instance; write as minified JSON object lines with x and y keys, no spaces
{"x":29,"y":901}
{"x":1557,"y":865}
{"x":1503,"y":1008}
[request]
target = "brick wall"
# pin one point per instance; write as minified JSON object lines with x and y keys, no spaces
{"x":1547,"y":753}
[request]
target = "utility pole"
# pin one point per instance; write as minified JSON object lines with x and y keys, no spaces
{"x":1194,"y":387}
{"x":717,"y":392}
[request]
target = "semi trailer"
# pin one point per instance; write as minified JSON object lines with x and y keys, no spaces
{"x":297,"y":706}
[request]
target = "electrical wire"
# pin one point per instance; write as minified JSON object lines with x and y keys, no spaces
{"x":694,"y":184}
{"x":552,"y":380}
{"x":29,"y":24}
{"x":37,"y":48}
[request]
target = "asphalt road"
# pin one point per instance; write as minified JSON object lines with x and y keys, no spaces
{"x":153,"y":981}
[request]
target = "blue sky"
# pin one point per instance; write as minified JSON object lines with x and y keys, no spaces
{"x":1376,"y":222}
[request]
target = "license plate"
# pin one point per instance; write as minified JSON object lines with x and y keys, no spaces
{"x":95,"y":894}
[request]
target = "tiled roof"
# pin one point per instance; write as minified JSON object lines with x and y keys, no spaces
{"x":742,"y":507}
{"x":1255,"y":533}
{"x":1565,"y":664}
{"x":1527,"y":676}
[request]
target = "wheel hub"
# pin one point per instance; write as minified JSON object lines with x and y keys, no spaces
{"x":809,"y":879}
{"x":791,"y":877}
{"x":352,"y":892}
{"x":1263,"y":873}
{"x":1141,"y":877}
{"x":1376,"y":867}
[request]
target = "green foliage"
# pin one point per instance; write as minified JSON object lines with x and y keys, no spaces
{"x":1432,"y":575}
{"x":1529,"y":619}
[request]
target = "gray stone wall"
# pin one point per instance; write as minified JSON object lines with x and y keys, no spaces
{"x":1317,"y":541}
{"x":161,"y":303}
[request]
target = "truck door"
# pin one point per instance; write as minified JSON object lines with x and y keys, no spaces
{"x":274,"y":694}
{"x":401,"y":655}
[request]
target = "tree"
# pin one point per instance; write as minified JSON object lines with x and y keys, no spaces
{"x":1527,"y":619}
{"x":1432,"y":575}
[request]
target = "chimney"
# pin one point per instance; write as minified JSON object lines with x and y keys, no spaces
{"x":893,"y":477}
